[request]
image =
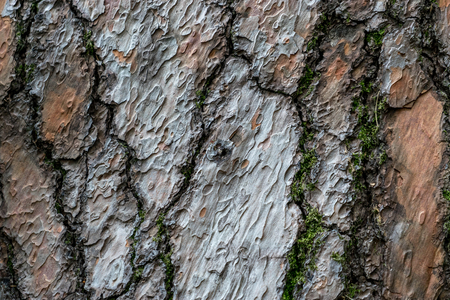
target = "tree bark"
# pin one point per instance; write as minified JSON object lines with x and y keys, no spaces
{"x":217,"y":149}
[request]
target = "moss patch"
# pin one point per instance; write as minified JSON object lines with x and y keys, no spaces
{"x":25,"y":72}
{"x":302,"y":256}
{"x":305,"y":81}
{"x":88,"y":43}
{"x":375,"y":39}
{"x":170,"y":271}
{"x":368,"y":127}
{"x":161,"y":228}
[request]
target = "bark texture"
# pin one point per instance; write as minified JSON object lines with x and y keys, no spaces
{"x":217,"y":149}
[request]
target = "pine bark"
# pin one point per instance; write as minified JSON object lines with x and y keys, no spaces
{"x":217,"y":149}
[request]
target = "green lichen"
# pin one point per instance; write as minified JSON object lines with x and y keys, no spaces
{"x":302,"y":256}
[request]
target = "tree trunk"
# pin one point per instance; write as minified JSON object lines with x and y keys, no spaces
{"x":218,"y":149}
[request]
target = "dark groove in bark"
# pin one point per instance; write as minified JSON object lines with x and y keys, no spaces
{"x":12,"y":281}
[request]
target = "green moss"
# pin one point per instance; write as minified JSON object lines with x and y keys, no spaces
{"x":161,"y":228}
{"x":376,"y":38}
{"x":367,"y":132}
{"x":368,"y":136}
{"x":322,"y":28}
{"x":58,"y":207}
{"x":201,"y":98}
{"x":383,"y":158}
{"x":25,"y":72}
{"x":338,"y":258}
{"x":170,"y":271}
{"x":34,"y":6}
{"x":138,"y":274}
{"x":447,"y":226}
{"x":446,"y":195}
{"x":325,"y":23}
{"x":302,"y":256}
{"x":20,"y":35}
{"x":300,"y":184}
{"x":351,"y":290}
{"x":312,"y":43}
{"x":203,"y":93}
{"x":55,"y":164}
{"x":165,"y":255}
{"x":88,"y":43}
{"x":10,"y":260}
{"x":305,"y":137}
{"x":305,"y":81}
{"x":69,"y":240}
{"x":366,"y":87}
{"x":141,"y":215}
{"x":187,"y":171}
{"x":303,"y":253}
{"x":382,"y":105}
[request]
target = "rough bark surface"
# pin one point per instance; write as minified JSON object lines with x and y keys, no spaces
{"x":270,"y":149}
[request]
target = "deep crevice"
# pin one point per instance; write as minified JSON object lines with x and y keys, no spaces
{"x":315,"y":56}
{"x":10,"y":282}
